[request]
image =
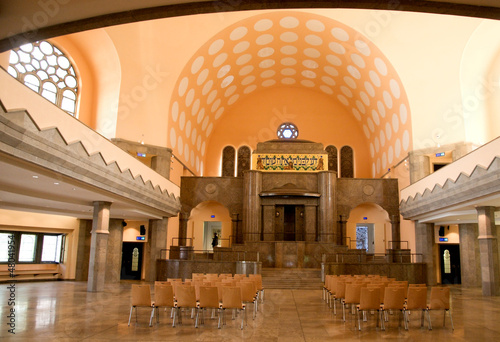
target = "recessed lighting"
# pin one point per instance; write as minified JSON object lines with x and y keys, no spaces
{"x":56,"y":183}
{"x":36,"y":177}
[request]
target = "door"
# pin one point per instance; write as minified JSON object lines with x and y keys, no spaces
{"x":449,"y":257}
{"x":289,"y":223}
{"x":132,"y":260}
{"x":365,"y":237}
{"x":211,"y":228}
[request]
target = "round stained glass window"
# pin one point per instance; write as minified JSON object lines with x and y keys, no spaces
{"x":288,"y":130}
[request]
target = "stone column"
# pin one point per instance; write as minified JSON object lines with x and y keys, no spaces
{"x":157,"y":240}
{"x":268,"y":222}
{"x":488,"y":247}
{"x":161,"y":163}
{"x":98,"y":247}
{"x":396,"y":232}
{"x":252,"y":186}
{"x":183,"y":221}
{"x":419,"y":166}
{"x":327,"y":212}
{"x":83,"y":252}
{"x":114,"y":251}
{"x":470,"y":261}
{"x":311,"y":223}
{"x":425,"y":245}
{"x":342,"y":231}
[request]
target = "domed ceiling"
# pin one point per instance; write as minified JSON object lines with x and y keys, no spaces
{"x":291,"y":49}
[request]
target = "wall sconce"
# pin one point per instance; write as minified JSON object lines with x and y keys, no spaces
{"x":277,"y":214}
{"x":301,"y":214}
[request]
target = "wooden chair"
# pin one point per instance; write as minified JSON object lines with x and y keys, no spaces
{"x":440,"y":300}
{"x":164,"y":298}
{"x":339,"y":294}
{"x":141,"y":297}
{"x":249,"y":294}
{"x":231,"y":299}
{"x":394,"y":299}
{"x":352,"y":296}
{"x":416,"y":300}
{"x":258,"y":280}
{"x":209,"y":299}
{"x":185,"y":296}
{"x":369,"y":299}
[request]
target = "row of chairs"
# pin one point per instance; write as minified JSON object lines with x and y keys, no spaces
{"x":382,"y":294}
{"x":198,"y":295}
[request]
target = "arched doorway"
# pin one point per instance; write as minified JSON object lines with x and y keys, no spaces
{"x":207,"y":218}
{"x":369,"y":228}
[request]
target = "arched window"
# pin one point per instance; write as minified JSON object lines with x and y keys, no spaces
{"x":47,"y":70}
{"x":243,"y":160}
{"x":332,"y":158}
{"x":228,"y":157}
{"x":346,"y":162}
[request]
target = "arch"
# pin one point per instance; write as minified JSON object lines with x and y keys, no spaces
{"x":228,"y":160}
{"x":208,"y":211}
{"x":244,"y":155}
{"x":371,"y":214}
{"x":346,"y":162}
{"x":332,"y":158}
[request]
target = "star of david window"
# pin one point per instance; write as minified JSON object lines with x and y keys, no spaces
{"x":287,"y":130}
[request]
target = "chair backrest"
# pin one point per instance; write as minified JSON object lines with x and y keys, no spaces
{"x":141,"y":295}
{"x":164,"y":295}
{"x":369,"y":298}
{"x":416,"y":298}
{"x":417,"y":285}
{"x":340,"y":289}
{"x":440,"y":298}
{"x":231,"y":297}
{"x":248,"y":291}
{"x":352,"y":293}
{"x":209,"y":297}
{"x":394,"y":298}
{"x":185,"y":296}
{"x":380,"y":286}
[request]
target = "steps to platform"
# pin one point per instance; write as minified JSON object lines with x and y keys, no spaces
{"x":292,"y":278}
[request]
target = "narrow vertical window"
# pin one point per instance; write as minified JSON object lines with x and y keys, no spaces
{"x":243,"y":160}
{"x":346,"y":162}
{"x":228,"y":159}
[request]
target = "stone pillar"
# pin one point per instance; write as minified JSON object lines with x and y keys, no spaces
{"x":161,"y":163}
{"x":419,"y":166}
{"x":114,"y":251}
{"x":252,"y":186}
{"x":183,"y":222}
{"x":157,"y":240}
{"x":342,"y":231}
{"x":470,"y":261}
{"x":311,"y":223}
{"x":425,"y":245}
{"x":396,"y":232}
{"x":268,"y":222}
{"x":98,"y":247}
{"x":83,"y":252}
{"x":236,"y":229}
{"x":488,"y":247}
{"x":327,"y":210}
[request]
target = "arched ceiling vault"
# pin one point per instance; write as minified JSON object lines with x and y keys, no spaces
{"x":32,"y":20}
{"x":290,"y":49}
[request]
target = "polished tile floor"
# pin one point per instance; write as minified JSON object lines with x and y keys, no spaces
{"x":65,"y":311}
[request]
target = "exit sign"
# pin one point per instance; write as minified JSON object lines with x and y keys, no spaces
{"x":140,"y":238}
{"x":443,"y":239}
{"x":440,"y":154}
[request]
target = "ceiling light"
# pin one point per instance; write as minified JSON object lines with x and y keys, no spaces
{"x":36,"y":177}
{"x":56,"y":183}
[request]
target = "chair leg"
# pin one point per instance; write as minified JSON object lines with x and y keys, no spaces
{"x":429,"y":319}
{"x":197,"y":316}
{"x":130,"y":316}
{"x":152,"y":316}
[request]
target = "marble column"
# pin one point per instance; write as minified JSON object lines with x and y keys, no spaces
{"x":183,"y":221}
{"x":396,"y":232}
{"x":420,"y":166}
{"x":83,"y":252}
{"x":252,"y":187}
{"x":236,"y":229}
{"x":488,"y":248}
{"x":157,"y":240}
{"x":114,"y":251}
{"x":161,"y":163}
{"x":98,"y":247}
{"x":425,"y":245}
{"x":470,"y":261}
{"x":327,"y":211}
{"x":311,"y":227}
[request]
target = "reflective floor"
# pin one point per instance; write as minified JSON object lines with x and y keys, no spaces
{"x":65,"y":311}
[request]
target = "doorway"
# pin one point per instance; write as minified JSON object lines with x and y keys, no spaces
{"x":132,"y":260}
{"x":449,"y":258}
{"x":365,"y":237}
{"x":289,"y":223}
{"x":211,"y":228}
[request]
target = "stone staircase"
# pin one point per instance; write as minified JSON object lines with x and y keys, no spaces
{"x":292,"y":278}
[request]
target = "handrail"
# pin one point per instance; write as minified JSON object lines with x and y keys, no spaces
{"x":178,"y":238}
{"x":389,"y":257}
{"x":217,"y":255}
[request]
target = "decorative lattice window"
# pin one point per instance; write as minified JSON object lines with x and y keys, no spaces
{"x":332,"y":158}
{"x":47,"y":70}
{"x":287,"y":130}
{"x":244,"y":155}
{"x":228,"y":158}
